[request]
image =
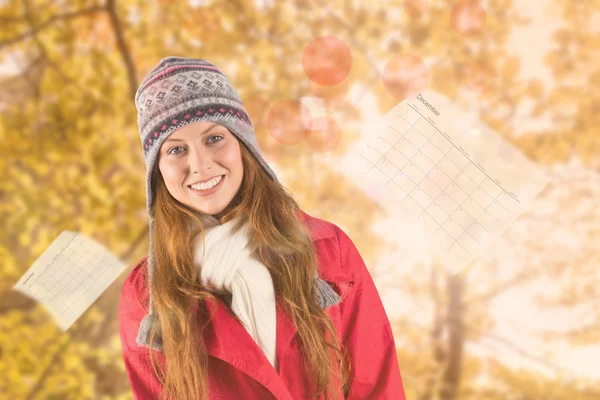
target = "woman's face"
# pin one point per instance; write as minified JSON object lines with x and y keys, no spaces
{"x":198,"y":153}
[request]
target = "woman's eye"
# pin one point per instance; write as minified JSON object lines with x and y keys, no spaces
{"x":216,"y":136}
{"x":171,"y":150}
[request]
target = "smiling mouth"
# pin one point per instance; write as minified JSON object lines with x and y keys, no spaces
{"x":197,"y":187}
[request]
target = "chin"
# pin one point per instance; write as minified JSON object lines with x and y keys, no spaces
{"x":214,"y":212}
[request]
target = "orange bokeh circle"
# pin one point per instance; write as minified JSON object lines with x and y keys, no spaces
{"x":289,"y":121}
{"x":405,"y":75}
{"x":468,"y":18}
{"x":325,"y":134}
{"x":327,"y":60}
{"x":257,"y":109}
{"x":328,"y":96}
{"x":269,"y":146}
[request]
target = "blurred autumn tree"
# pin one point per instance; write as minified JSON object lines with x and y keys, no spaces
{"x":72,"y":159}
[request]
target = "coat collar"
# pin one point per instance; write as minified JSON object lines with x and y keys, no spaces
{"x":239,"y":349}
{"x":318,"y":228}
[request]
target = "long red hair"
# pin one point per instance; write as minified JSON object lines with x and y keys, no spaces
{"x":284,"y":247}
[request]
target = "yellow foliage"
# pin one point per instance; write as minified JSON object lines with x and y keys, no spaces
{"x":72,"y":158}
{"x":535,"y":88}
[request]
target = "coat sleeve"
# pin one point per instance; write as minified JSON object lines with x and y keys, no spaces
{"x":144,"y":383}
{"x":366,"y":333}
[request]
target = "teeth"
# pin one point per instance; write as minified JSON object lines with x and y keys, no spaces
{"x":207,"y":185}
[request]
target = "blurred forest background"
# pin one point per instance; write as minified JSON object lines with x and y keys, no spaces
{"x":522,"y":322}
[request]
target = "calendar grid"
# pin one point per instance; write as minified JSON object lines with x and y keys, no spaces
{"x":450,"y":216}
{"x":458,"y":205}
{"x":443,"y":178}
{"x":383,"y":155}
{"x":69,"y":276}
{"x":468,"y":158}
{"x":430,"y":164}
{"x":484,"y":210}
{"x":80,"y":280}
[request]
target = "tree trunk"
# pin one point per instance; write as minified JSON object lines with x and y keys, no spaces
{"x":437,"y":349}
{"x":456,"y":338}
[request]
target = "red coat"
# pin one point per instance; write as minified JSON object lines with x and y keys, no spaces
{"x":238,"y":367}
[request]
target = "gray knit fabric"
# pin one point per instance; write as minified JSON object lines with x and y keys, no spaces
{"x":176,"y":92}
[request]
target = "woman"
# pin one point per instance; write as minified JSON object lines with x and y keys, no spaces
{"x":242,"y":294}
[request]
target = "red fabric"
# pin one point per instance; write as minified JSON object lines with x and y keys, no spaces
{"x":239,"y":369}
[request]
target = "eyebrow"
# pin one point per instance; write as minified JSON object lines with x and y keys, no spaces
{"x":202,"y":134}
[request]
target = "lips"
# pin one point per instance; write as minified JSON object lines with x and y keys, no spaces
{"x":210,"y":191}
{"x":203,"y":181}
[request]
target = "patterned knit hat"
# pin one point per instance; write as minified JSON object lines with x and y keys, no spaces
{"x":177,"y":92}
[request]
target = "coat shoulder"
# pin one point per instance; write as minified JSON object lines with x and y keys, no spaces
{"x":319,"y":229}
{"x":134,"y":288}
{"x":133,"y":307}
{"x":326,"y":238}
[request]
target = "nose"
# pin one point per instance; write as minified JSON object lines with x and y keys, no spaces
{"x":200,"y":161}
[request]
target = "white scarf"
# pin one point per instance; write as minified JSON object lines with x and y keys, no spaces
{"x":228,"y":266}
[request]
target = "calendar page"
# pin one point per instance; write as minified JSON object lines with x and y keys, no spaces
{"x":69,"y":276}
{"x":443,"y":176}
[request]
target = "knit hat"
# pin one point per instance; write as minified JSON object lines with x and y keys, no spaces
{"x":177,"y":92}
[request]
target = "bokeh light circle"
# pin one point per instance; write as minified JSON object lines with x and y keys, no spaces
{"x":289,"y":121}
{"x":257,"y":109}
{"x":327,"y":60}
{"x":328,"y":96}
{"x":416,"y":8}
{"x":272,"y":149}
{"x":325,"y":134}
{"x":468,"y":18}
{"x":405,"y":75}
